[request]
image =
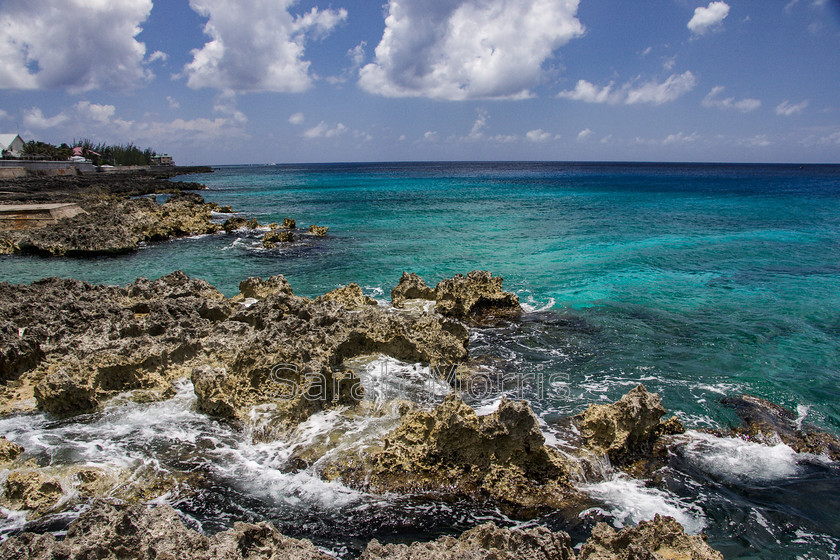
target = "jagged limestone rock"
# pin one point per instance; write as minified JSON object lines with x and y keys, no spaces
{"x":288,"y":223}
{"x":320,"y":231}
{"x":659,"y":539}
{"x":350,"y":296}
{"x":273,"y":237}
{"x":9,"y":450}
{"x":411,"y":286}
{"x":485,"y":542}
{"x":474,"y":294}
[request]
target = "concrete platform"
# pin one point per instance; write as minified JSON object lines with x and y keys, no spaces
{"x":26,"y":216}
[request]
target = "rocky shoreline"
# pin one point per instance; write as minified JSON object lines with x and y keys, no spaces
{"x":68,"y":347}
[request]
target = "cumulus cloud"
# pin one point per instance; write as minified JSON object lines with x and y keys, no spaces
{"x":257,"y":45}
{"x":34,"y":118}
{"x":652,"y":92}
{"x":680,"y":138}
{"x":297,"y":118}
{"x":584,"y":134}
{"x":173,"y":103}
{"x":95,"y":112}
{"x":3,"y":114}
{"x":713,"y":100}
{"x":538,"y":135}
{"x":708,"y":18}
{"x":323,"y":130}
{"x":468,"y":49}
{"x":786,"y":108}
{"x":76,"y":45}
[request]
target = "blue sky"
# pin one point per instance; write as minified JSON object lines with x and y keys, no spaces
{"x":258,"y":81}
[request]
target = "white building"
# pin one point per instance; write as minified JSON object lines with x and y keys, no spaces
{"x":11,"y":145}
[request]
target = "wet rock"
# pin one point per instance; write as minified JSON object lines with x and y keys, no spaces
{"x":320,"y":231}
{"x":238,"y":222}
{"x":225,"y":209}
{"x":114,"y":531}
{"x":411,"y":286}
{"x":288,"y":223}
{"x":485,"y":542}
{"x":451,"y":450}
{"x":660,"y":539}
{"x":350,"y":296}
{"x":273,"y":237}
{"x":474,"y":294}
{"x":767,"y":422}
{"x":212,"y":390}
{"x":9,"y":451}
{"x":626,"y":429}
{"x":31,"y":490}
{"x":64,"y":393}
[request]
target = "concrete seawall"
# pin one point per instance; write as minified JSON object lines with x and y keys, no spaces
{"x":26,"y":216}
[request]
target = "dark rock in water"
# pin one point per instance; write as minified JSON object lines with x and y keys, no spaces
{"x":767,"y":422}
{"x":411,"y":286}
{"x":320,"y":231}
{"x":660,"y":539}
{"x":288,"y":223}
{"x":451,"y":450}
{"x":476,"y":293}
{"x":627,"y":429}
{"x":273,"y":237}
{"x":350,"y":296}
{"x":485,"y":542}
{"x":113,"y":531}
{"x":238,"y":222}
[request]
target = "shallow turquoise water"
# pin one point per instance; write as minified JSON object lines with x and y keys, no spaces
{"x":698,"y":280}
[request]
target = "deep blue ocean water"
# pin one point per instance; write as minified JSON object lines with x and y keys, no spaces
{"x":698,"y":280}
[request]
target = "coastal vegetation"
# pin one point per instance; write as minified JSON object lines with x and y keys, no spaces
{"x":99,"y":153}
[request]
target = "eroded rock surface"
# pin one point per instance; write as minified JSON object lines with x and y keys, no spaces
{"x":627,"y":428}
{"x":110,"y":531}
{"x":411,"y":286}
{"x":659,"y":539}
{"x":767,"y":422}
{"x":452,"y":450}
{"x":485,"y":542}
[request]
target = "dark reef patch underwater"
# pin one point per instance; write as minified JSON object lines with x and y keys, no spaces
{"x":701,"y":282}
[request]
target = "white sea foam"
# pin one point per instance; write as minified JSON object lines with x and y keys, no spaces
{"x":629,"y":501}
{"x":735,"y":459}
{"x":531,"y":305}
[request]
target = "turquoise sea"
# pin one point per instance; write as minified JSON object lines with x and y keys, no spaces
{"x":698,"y":280}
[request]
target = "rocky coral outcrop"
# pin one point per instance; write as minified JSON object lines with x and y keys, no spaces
{"x":273,"y":237}
{"x":452,"y":450}
{"x":9,"y":450}
{"x":767,"y":422}
{"x":238,"y":222}
{"x":463,"y":297}
{"x":320,"y":231}
{"x":114,"y":226}
{"x":485,"y":542}
{"x":476,"y":293}
{"x":350,"y":296}
{"x":411,"y":286}
{"x":659,"y":539}
{"x":288,"y":223}
{"x":626,"y":429}
{"x":112,"y":531}
{"x":31,"y":490}
{"x":257,"y":288}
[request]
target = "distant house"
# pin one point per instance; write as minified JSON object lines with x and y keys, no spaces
{"x":165,"y":159}
{"x":11,"y":145}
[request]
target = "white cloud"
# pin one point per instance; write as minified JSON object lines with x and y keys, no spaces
{"x":173,"y":103}
{"x":708,"y":18}
{"x":157,"y":55}
{"x":3,"y":114}
{"x":744,"y":105}
{"x":590,"y":93}
{"x":477,"y":131}
{"x":652,"y":92}
{"x":831,"y":138}
{"x":297,"y":118}
{"x":538,"y":135}
{"x":468,"y":49}
{"x":34,"y":118}
{"x":584,"y":134}
{"x":94,"y":112}
{"x":256,"y":45}
{"x":786,"y":108}
{"x":430,"y":135}
{"x":680,"y":138}
{"x":757,"y":141}
{"x":74,"y":44}
{"x":323,"y":130}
